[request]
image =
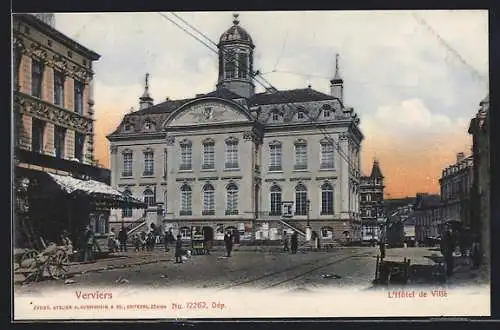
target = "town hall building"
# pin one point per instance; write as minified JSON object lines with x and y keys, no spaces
{"x":257,"y":164}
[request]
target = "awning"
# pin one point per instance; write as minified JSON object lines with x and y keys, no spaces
{"x":95,"y":189}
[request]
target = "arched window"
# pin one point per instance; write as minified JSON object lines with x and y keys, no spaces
{"x":232,"y":199}
{"x":149,"y":162}
{"x":326,"y":154}
{"x":186,"y":200}
{"x":275,"y":200}
{"x":149,"y":197}
{"x":276,"y":115}
{"x":208,"y":200}
{"x":231,"y":153}
{"x":275,"y":156}
{"x":301,"y":202}
{"x":186,"y":155}
{"x":326,"y":110}
{"x":326,"y":198}
{"x":300,"y":154}
{"x":148,"y":125}
{"x":242,"y":65}
{"x":127,"y":212}
{"x":208,"y":154}
{"x":127,"y":163}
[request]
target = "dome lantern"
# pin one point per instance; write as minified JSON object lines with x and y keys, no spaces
{"x":236,"y":60}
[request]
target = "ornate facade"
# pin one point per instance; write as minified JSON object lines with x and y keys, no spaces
{"x":372,"y":203}
{"x":233,"y":159}
{"x":54,"y":107}
{"x":53,"y":112}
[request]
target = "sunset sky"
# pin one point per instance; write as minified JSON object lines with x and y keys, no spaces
{"x":414,"y":95}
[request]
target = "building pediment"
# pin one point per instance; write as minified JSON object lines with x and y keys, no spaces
{"x":208,"y":111}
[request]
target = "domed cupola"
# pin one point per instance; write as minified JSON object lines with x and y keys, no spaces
{"x":236,"y":60}
{"x":236,"y":34}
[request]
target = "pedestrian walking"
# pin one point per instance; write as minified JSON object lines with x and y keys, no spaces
{"x":228,"y":241}
{"x":294,"y":242}
{"x":88,"y":255}
{"x":285,"y":242}
{"x":122,"y":238}
{"x":178,"y":250}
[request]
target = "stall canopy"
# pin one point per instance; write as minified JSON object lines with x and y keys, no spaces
{"x":96,"y":190}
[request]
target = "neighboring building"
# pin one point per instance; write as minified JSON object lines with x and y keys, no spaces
{"x":371,"y":204}
{"x":392,"y":204}
{"x":395,"y":225}
{"x":233,"y":159}
{"x":429,"y":217}
{"x":53,"y":135}
{"x":481,"y":211}
{"x":456,"y":184}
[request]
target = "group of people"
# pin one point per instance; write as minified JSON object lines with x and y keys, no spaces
{"x":118,"y":243}
{"x":467,"y":243}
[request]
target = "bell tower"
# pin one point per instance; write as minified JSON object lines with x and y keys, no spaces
{"x":236,"y":60}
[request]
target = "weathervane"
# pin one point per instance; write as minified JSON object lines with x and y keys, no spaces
{"x":236,"y":21}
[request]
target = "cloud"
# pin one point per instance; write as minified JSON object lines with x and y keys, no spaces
{"x":413,"y":145}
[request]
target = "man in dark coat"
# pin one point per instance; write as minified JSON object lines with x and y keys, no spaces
{"x":295,"y":242}
{"x":169,"y":239}
{"x":178,"y":250}
{"x":122,"y":237}
{"x":228,"y":241}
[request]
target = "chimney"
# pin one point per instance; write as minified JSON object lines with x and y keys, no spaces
{"x":460,"y":157}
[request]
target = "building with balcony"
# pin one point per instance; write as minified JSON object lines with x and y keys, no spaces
{"x":233,"y":159}
{"x":58,"y":182}
{"x":371,"y":203}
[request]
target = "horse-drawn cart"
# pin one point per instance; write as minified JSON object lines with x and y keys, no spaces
{"x":54,"y":261}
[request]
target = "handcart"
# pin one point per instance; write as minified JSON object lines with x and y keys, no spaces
{"x":392,"y":272}
{"x":33,"y":264}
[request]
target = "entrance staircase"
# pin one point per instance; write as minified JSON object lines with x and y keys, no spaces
{"x":136,"y":226}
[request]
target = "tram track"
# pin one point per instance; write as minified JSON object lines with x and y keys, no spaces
{"x":293,"y":268}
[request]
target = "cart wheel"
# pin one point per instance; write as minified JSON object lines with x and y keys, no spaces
{"x":58,"y":264}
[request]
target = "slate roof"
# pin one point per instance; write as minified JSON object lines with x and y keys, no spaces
{"x":376,"y":172}
{"x":161,"y":111}
{"x":289,"y":96}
